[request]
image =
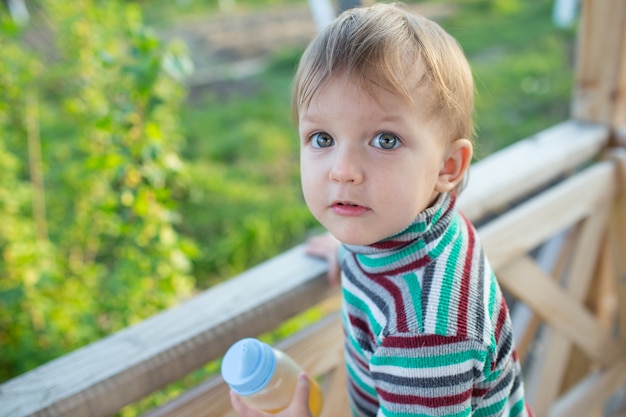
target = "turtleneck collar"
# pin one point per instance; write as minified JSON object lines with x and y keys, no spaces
{"x":414,"y":246}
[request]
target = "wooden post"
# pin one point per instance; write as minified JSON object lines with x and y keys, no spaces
{"x":618,"y":231}
{"x":600,"y":83}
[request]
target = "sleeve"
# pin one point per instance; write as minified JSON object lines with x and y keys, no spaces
{"x":430,"y":375}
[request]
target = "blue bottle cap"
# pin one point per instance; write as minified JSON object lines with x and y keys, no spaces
{"x":248,"y":366}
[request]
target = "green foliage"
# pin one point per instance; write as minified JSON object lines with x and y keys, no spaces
{"x":96,"y":248}
{"x":522,"y":67}
{"x":245,"y":203}
{"x":166,"y":12}
{"x":130,"y":182}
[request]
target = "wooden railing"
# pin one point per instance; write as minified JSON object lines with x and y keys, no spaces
{"x":551,"y":214}
{"x":560,"y":180}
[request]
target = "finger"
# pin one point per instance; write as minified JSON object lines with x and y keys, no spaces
{"x":303,"y":388}
{"x":300,"y":402}
{"x":241,"y":408}
{"x":326,"y":246}
{"x":235,"y":401}
{"x":322,"y":245}
{"x":317,"y":246}
{"x":334,"y":272}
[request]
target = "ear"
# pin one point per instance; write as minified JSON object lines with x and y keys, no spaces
{"x":457,"y":161}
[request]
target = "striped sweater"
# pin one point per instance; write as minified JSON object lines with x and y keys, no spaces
{"x":427,"y":329}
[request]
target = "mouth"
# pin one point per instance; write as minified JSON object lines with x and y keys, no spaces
{"x":345,"y":203}
{"x":348,"y":208}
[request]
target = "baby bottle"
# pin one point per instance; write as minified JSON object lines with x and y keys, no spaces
{"x":264,"y":377}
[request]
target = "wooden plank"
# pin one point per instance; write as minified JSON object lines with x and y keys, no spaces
{"x":619,"y":138}
{"x":336,"y":395}
{"x":533,"y":222}
{"x":524,"y":279}
{"x":590,"y":393}
{"x":603,"y":298}
{"x":618,"y":237}
{"x":99,"y":379}
{"x":551,"y":258}
{"x":554,"y":358}
{"x":553,"y":346}
{"x":527,"y":338}
{"x":545,"y":384}
{"x":601,"y":302}
{"x":505,"y":176}
{"x":578,"y":366}
{"x":600,"y":93}
{"x":318,"y":349}
{"x":585,"y":253}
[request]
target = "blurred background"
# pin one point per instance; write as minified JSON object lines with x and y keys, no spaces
{"x":147,"y":150}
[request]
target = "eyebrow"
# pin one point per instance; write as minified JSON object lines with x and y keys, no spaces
{"x":390,"y":118}
{"x":312,"y":116}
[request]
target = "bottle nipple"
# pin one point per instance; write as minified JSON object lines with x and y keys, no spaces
{"x":248,"y":366}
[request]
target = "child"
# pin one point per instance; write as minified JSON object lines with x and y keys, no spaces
{"x":383,"y":101}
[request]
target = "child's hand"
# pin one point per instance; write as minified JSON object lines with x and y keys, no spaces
{"x":299,"y":406}
{"x":326,"y":247}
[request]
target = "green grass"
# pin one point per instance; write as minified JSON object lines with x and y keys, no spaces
{"x":245,"y":205}
{"x":522,"y":67}
{"x":167,"y":12}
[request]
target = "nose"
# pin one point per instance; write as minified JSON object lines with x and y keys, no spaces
{"x":346,"y":167}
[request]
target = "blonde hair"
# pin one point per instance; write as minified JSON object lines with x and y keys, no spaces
{"x":385,"y":45}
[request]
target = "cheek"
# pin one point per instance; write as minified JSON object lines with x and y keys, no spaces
{"x":413,"y":189}
{"x":309,"y":181}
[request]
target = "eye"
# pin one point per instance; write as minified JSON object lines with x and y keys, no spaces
{"x":322,"y":140}
{"x":386,"y":141}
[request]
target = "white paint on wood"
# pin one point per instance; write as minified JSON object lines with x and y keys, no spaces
{"x":525,"y":166}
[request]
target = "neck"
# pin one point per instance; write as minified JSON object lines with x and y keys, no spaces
{"x":414,"y":246}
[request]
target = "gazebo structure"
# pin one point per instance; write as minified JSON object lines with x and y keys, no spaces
{"x":551,"y":213}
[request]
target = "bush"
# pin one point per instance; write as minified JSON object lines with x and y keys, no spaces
{"x":89,"y":145}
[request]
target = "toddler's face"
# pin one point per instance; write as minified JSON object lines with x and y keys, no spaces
{"x":368,"y":166}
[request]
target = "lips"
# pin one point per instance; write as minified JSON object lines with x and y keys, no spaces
{"x":347,"y":208}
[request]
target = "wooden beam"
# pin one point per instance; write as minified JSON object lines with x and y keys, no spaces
{"x":618,"y":237}
{"x":526,"y":226}
{"x":523,"y":228}
{"x":336,"y":395}
{"x":600,"y":83}
{"x":560,"y":309}
{"x":318,"y":349}
{"x":519,"y":169}
{"x":551,"y":258}
{"x":620,"y":136}
{"x":101,"y":378}
{"x":563,"y":308}
{"x":590,"y":393}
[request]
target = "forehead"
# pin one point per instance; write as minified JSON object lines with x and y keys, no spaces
{"x":412,"y":92}
{"x":345,"y":102}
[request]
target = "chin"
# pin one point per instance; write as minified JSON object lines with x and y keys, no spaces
{"x":354,"y":240}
